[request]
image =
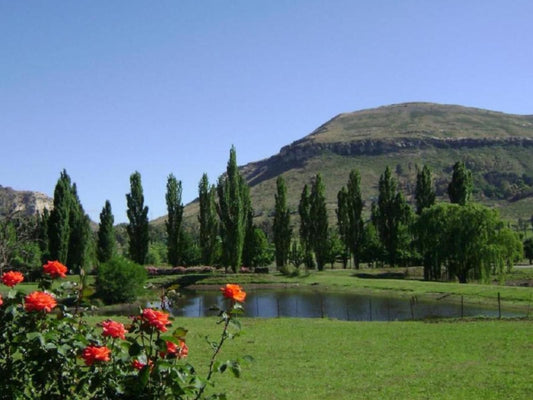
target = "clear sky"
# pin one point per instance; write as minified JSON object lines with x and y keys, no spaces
{"x":105,"y":88}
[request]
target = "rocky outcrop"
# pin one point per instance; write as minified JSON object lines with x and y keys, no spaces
{"x":24,"y":202}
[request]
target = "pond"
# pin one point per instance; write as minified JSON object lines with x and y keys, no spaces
{"x":314,"y":304}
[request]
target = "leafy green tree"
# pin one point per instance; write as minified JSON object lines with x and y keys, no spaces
{"x":469,"y":241}
{"x":249,"y":245}
{"x":343,"y":221}
{"x":282,"y":224}
{"x":528,"y":249}
{"x":391,"y":216}
{"x":296,"y":254}
{"x":119,"y":280}
{"x":58,"y":223}
{"x":319,"y":222}
{"x":460,"y":187}
{"x":174,"y":218}
{"x":106,"y":242}
{"x":355,"y":220}
{"x":424,"y":192}
{"x":138,"y":220}
{"x":304,"y":210}
{"x":191,"y":253}
{"x":42,"y":235}
{"x":207,"y":219}
{"x":372,"y":250}
{"x":232,"y":213}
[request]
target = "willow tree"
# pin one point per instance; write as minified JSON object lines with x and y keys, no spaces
{"x":232,"y":213}
{"x":138,"y":217}
{"x":282,"y":224}
{"x":174,"y":218}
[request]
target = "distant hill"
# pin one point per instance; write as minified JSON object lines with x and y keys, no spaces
{"x":24,"y":202}
{"x":497,"y":147}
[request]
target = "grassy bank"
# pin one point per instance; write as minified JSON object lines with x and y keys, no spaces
{"x":329,"y":359}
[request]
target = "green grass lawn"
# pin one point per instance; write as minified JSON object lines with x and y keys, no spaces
{"x":329,"y":359}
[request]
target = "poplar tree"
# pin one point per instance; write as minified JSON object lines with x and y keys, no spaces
{"x":304,"y":210}
{"x":249,"y":247}
{"x":343,"y":222}
{"x":232,"y":214}
{"x":174,"y":218}
{"x":460,"y":187}
{"x":207,"y":218}
{"x":58,"y":223}
{"x":355,"y":219}
{"x":80,"y":233}
{"x":424,"y":192}
{"x":319,"y":222}
{"x":105,"y":247}
{"x":281,"y":226}
{"x":138,"y":217}
{"x":390,"y":216}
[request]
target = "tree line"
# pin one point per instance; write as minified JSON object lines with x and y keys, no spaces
{"x":456,"y":240}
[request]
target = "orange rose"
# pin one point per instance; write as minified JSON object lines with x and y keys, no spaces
{"x":39,"y":301}
{"x":157,"y":319}
{"x":137,"y":364}
{"x":233,"y":292}
{"x":55,"y":269}
{"x":1,"y":301}
{"x":113,"y":329}
{"x":11,"y":278}
{"x":174,"y":350}
{"x":95,"y":353}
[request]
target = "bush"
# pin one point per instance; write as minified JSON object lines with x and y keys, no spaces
{"x":119,"y":280}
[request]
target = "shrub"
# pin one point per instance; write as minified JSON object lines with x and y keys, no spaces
{"x":119,"y":280}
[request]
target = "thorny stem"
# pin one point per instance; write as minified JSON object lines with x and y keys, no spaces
{"x":223,"y":338}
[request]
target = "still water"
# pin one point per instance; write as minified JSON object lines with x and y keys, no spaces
{"x":344,"y":306}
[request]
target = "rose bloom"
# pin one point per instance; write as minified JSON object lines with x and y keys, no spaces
{"x":157,"y":319}
{"x":233,"y":292}
{"x":55,"y":269}
{"x":139,"y":364}
{"x":39,"y":301}
{"x":95,"y":353}
{"x":11,"y":278}
{"x":174,"y":350}
{"x":113,"y":329}
{"x":1,"y":301}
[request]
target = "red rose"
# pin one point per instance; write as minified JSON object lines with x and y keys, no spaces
{"x":11,"y":278}
{"x":95,"y":353}
{"x":157,"y":319}
{"x":233,"y":292}
{"x":55,"y":269}
{"x":174,"y":350}
{"x":39,"y":301}
{"x":137,"y":364}
{"x":1,"y":301}
{"x":113,"y":329}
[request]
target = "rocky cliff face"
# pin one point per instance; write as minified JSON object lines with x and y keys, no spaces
{"x":24,"y":202}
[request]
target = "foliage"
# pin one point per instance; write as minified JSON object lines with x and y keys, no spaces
{"x":424,"y":192}
{"x":119,"y":280}
{"x":304,"y":210}
{"x":190,"y":250}
{"x":18,"y":242}
{"x":50,"y":352}
{"x":282,"y":224}
{"x":528,"y":249}
{"x":232,"y":213}
{"x":207,"y":219}
{"x":138,"y":216}
{"x":460,"y":187}
{"x":80,"y":236}
{"x":174,"y":218}
{"x":106,"y":242}
{"x":354,"y":204}
{"x":296,"y":254}
{"x":319,"y":222}
{"x":469,"y":241}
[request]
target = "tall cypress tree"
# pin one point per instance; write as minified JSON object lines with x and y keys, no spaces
{"x":319,"y":222}
{"x":424,"y":192}
{"x":106,"y":242}
{"x":460,"y":188}
{"x":207,"y":219}
{"x":58,"y":223}
{"x":343,"y":221}
{"x":138,"y":217}
{"x":249,"y":247}
{"x":174,"y":218}
{"x":231,"y":211}
{"x":80,"y":233}
{"x":282,"y":224}
{"x":304,"y":210}
{"x":355,"y":219}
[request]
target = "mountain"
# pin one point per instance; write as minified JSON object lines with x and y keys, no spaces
{"x":496,"y":147}
{"x":24,"y":202}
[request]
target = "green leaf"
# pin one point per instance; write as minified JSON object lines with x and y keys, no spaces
{"x":135,"y":349}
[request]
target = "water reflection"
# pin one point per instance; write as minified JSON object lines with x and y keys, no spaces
{"x":343,"y":306}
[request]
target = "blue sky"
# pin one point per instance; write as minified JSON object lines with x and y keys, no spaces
{"x":105,"y":88}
